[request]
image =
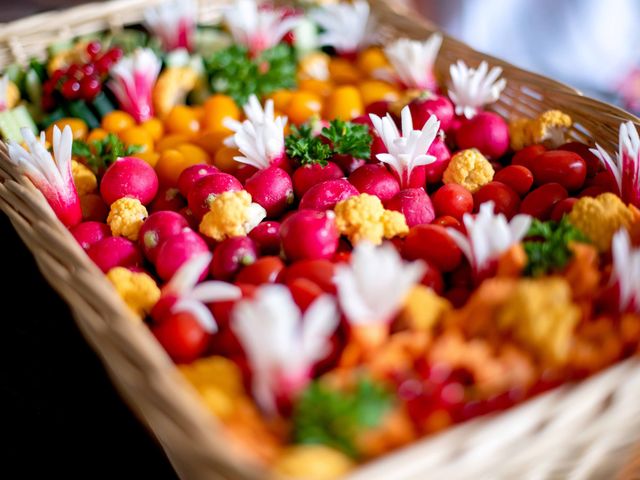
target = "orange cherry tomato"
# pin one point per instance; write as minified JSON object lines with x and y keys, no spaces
{"x":171,"y":141}
{"x":342,"y":71}
{"x":281,"y":99}
{"x":137,"y":136}
{"x":371,"y":59}
{"x":216,"y":109}
{"x":211,"y":140}
{"x":376,"y":91}
{"x":96,"y":134}
{"x":182,"y":119}
{"x":303,"y":106}
{"x":194,"y":152}
{"x":78,"y":128}
{"x":150,"y":157}
{"x":117,"y":120}
{"x":171,"y":164}
{"x":154,"y":127}
{"x":344,"y":103}
{"x":319,"y":87}
{"x":224,"y":159}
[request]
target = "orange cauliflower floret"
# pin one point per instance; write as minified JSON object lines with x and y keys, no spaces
{"x":138,"y":290}
{"x":423,"y":309}
{"x":600,"y":218}
{"x":549,"y":128}
{"x":231,"y":214}
{"x":315,"y":66}
{"x":470,"y":169}
{"x":313,"y":462}
{"x":519,"y":133}
{"x":540,"y":314}
{"x":84,"y":178}
{"x":126,"y":217}
{"x":172,"y":87}
{"x":362,"y":217}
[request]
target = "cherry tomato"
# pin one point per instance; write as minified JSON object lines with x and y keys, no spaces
{"x":527,"y":155}
{"x":222,"y":310}
{"x":263,"y":270}
{"x":433,"y":279}
{"x":540,"y":202}
{"x":605,"y":180}
{"x":519,"y":178}
{"x":231,"y":255}
{"x":593,"y":162}
{"x":562,"y":207}
{"x":592,"y":191}
{"x":458,"y":296}
{"x":448,"y":221}
{"x":461,"y":277}
{"x":182,"y":336}
{"x":453,"y":200}
{"x":504,"y":198}
{"x":559,"y":166}
{"x":304,"y":292}
{"x":319,"y":271}
{"x":433,"y":244}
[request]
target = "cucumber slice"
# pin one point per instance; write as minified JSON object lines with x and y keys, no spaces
{"x":16,"y":74}
{"x":11,"y":121}
{"x":23,"y":119}
{"x":81,"y":110}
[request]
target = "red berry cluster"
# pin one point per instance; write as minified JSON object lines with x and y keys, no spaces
{"x":81,"y":81}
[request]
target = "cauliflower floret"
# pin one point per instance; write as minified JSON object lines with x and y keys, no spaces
{"x":314,"y":66}
{"x":519,"y":133}
{"x":232,"y":214}
{"x":313,"y":462}
{"x":423,"y":309}
{"x":172,"y":87}
{"x":84,"y":178}
{"x":470,"y":169}
{"x":600,"y":218}
{"x":126,"y":217}
{"x":362,"y":217}
{"x":540,"y":314}
{"x":549,"y":128}
{"x":10,"y":96}
{"x":138,"y":290}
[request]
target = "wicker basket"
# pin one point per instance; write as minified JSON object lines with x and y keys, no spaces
{"x":583,"y":431}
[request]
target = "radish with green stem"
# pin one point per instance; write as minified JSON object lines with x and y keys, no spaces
{"x":168,"y":199}
{"x":272,"y":188}
{"x":192,"y":174}
{"x":156,"y":229}
{"x":88,"y":233}
{"x":113,"y":252}
{"x":178,"y":249}
{"x":325,"y":195}
{"x":205,"y":190}
{"x":231,"y":255}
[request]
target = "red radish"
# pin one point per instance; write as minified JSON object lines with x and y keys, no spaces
{"x":206,"y":189}
{"x":182,"y":337}
{"x":304,"y":292}
{"x":487,"y":131}
{"x":592,"y":162}
{"x":375,"y":179}
{"x":325,"y":195}
{"x":559,"y":166}
{"x":231,"y":255}
{"x":439,"y":150}
{"x":113,"y":252}
{"x":320,"y":272}
{"x":505,"y":199}
{"x":245,"y":171}
{"x":363,"y":120}
{"x":88,"y":233}
{"x":527,"y":156}
{"x":433,"y":279}
{"x":168,"y":199}
{"x":189,"y":217}
{"x":593,"y":191}
{"x":178,"y":249}
{"x":605,"y":180}
{"x":414,"y":204}
{"x":263,"y":270}
{"x":309,"y":175}
{"x":222,"y":310}
{"x":518,"y":177}
{"x":266,"y":236}
{"x":272,"y":189}
{"x":423,"y":107}
{"x":156,"y":229}
{"x":377,"y":147}
{"x":93,"y":208}
{"x":452,"y":199}
{"x":541,"y":201}
{"x":562,"y":207}
{"x":309,"y":234}
{"x":348,"y":163}
{"x":418,"y":177}
{"x":379,"y":108}
{"x":432,"y":244}
{"x":192,"y":174}
{"x":129,"y":177}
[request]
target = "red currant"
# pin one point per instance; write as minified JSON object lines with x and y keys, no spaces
{"x":114,"y":54}
{"x":71,"y":89}
{"x":93,"y":48}
{"x":90,"y":87}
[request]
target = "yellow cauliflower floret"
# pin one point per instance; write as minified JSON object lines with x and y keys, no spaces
{"x":600,"y":218}
{"x":423,"y":308}
{"x":314,"y":66}
{"x":126,"y":217}
{"x":11,"y":96}
{"x":549,"y":128}
{"x":470,"y":169}
{"x":519,"y":133}
{"x":540,"y":314}
{"x":362,"y":217}
{"x":84,"y":179}
{"x":312,"y":462}
{"x":231,"y":214}
{"x":138,"y":290}
{"x":172,"y":87}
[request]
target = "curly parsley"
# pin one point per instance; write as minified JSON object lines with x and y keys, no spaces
{"x":99,"y":154}
{"x":304,"y":147}
{"x":349,"y":138}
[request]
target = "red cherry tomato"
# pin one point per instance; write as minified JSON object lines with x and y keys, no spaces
{"x":433,"y":279}
{"x":461,"y":277}
{"x":342,"y":257}
{"x":562,"y":207}
{"x":448,"y":221}
{"x":592,"y":191}
{"x":263,"y":270}
{"x":304,"y":292}
{"x":453,"y":200}
{"x":320,"y":272}
{"x":593,"y":162}
{"x":560,"y":166}
{"x":605,"y":180}
{"x":222,"y":310}
{"x":519,"y":178}
{"x":432,"y":244}
{"x":540,"y":202}
{"x":182,"y":336}
{"x":505,"y":199}
{"x":527,"y":155}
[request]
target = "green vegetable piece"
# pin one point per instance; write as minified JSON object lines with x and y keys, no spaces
{"x":301,"y":145}
{"x":349,"y":138}
{"x":101,"y":153}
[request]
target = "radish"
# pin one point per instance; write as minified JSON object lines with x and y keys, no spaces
{"x":113,"y":252}
{"x":156,"y":229}
{"x":439,"y":150}
{"x":430,"y":104}
{"x":363,"y":120}
{"x":325,"y":195}
{"x":205,"y":190}
{"x":168,"y":199}
{"x":266,"y":235}
{"x":379,"y":108}
{"x":414,"y":204}
{"x":377,"y":147}
{"x":231,"y":255}
{"x":271,"y":188}
{"x":93,"y":208}
{"x":487,"y":131}
{"x":309,"y":234}
{"x":375,"y":179}
{"x":177,"y":250}
{"x":192,"y":174}
{"x":348,"y":163}
{"x":309,"y":175}
{"x":88,"y":233}
{"x":129,"y":177}
{"x":186,"y":213}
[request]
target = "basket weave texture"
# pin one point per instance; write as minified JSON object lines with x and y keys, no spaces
{"x":579,"y":432}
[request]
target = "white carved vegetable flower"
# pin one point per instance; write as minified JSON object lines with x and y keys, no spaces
{"x":347,"y":27}
{"x":413,"y":61}
{"x":626,"y":271}
{"x":174,"y":23}
{"x":471,"y":89}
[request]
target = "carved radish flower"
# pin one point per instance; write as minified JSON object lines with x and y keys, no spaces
{"x":626,"y":271}
{"x":174,"y":23}
{"x":471,"y":89}
{"x":413,"y":61}
{"x":347,"y":27}
{"x":254,"y":113}
{"x":281,"y":343}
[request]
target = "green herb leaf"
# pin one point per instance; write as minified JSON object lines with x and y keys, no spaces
{"x":101,"y":153}
{"x":349,"y":138}
{"x":548,"y":249}
{"x":301,"y":145}
{"x":334,"y":418}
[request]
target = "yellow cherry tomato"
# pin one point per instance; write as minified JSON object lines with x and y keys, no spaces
{"x":150,"y":157}
{"x":171,"y":141}
{"x":319,"y":87}
{"x":154,"y":127}
{"x":303,"y":106}
{"x":344,"y":103}
{"x":171,"y":164}
{"x":371,"y":59}
{"x":78,"y":128}
{"x":211,"y":140}
{"x":194,"y":152}
{"x":216,"y":109}
{"x":281,"y":99}
{"x":377,"y":90}
{"x":137,"y":136}
{"x":224,"y":159}
{"x":117,"y":120}
{"x":182,"y":119}
{"x":342,"y":71}
{"x":96,"y":134}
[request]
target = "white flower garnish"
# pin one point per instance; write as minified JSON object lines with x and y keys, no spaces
{"x":281,"y":343}
{"x":173,"y":22}
{"x":192,"y":296}
{"x":255,"y":114}
{"x":409,"y":150}
{"x":626,"y":270}
{"x":625,"y":168}
{"x":413,"y":61}
{"x":489,"y":235}
{"x":347,"y":27}
{"x":373,"y":286}
{"x":257,"y":28}
{"x":471,"y":89}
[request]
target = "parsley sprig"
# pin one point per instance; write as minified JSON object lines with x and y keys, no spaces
{"x":306,"y":148}
{"x":548,"y":249}
{"x":99,"y":154}
{"x":326,"y":416}
{"x":349,"y":138}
